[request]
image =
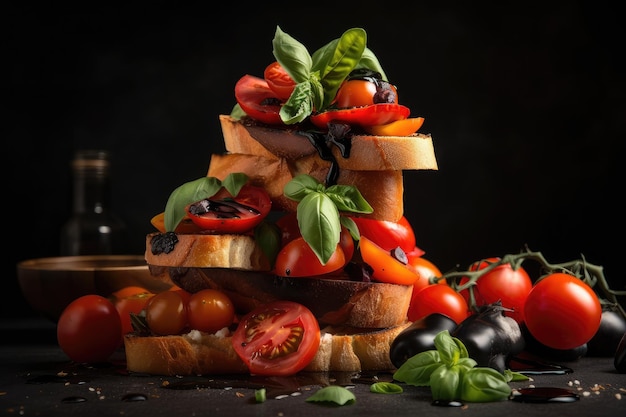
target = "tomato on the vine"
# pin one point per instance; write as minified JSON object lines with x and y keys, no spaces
{"x":441,"y":299}
{"x":387,"y":234}
{"x":562,"y":311}
{"x":166,"y":313}
{"x":426,"y":270}
{"x":503,"y":283}
{"x":257,"y":99}
{"x":224,"y":213}
{"x":297,"y":259}
{"x":386,"y":268}
{"x":278,"y":338}
{"x":376,"y":114}
{"x":210,"y":310}
{"x":279,"y":81}
{"x":89,"y":329}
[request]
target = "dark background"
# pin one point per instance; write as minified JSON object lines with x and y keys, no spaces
{"x":525,"y":103}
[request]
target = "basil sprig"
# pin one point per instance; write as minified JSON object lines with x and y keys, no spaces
{"x":453,"y":375}
{"x":319,"y":76}
{"x":318,"y":212}
{"x":196,"y":190}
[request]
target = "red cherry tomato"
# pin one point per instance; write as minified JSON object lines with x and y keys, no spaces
{"x":279,"y":81}
{"x":502,"y":283}
{"x":297,"y":259}
{"x":376,"y":114}
{"x":258,"y":100}
{"x":441,"y":299}
{"x":232,"y":214}
{"x":210,"y":310}
{"x":387,"y":234}
{"x":130,"y":300}
{"x":562,"y":312}
{"x":385,"y":267}
{"x":426,"y":270}
{"x":89,"y":329}
{"x":278,"y":338}
{"x":166,"y":313}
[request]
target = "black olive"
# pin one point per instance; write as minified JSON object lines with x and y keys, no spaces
{"x":418,"y":337}
{"x":605,"y":341}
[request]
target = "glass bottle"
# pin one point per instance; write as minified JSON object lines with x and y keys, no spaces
{"x":93,"y":229}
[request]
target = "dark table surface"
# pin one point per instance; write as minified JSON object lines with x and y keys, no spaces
{"x":37,"y":379}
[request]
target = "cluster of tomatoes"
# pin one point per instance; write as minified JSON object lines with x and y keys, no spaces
{"x":355,"y":103}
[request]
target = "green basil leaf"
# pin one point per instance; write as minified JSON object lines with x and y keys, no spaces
{"x":349,"y":224}
{"x":333,"y":393}
{"x":301,"y":185}
{"x":484,"y":384}
{"x":448,"y":349}
{"x":299,"y":106}
{"x":319,"y":224}
{"x":292,"y":56}
{"x":234,"y":181}
{"x":268,"y":236}
{"x":445,"y":382}
{"x":514,"y":376}
{"x":369,"y":60}
{"x":386,"y":388}
{"x":237,"y":112}
{"x":348,"y":198}
{"x":417,"y":369}
{"x":186,"y":194}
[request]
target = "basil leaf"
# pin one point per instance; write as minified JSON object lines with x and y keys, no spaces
{"x":386,"y":388}
{"x":348,"y":198}
{"x":484,"y":384}
{"x":301,"y":185}
{"x":292,"y":56}
{"x":234,"y":181}
{"x":299,"y":106}
{"x":349,"y":224}
{"x":447,"y":348}
{"x":186,"y":194}
{"x":333,"y":393}
{"x":268,"y":236}
{"x":445,"y":382}
{"x":418,"y":369}
{"x":369,"y":61}
{"x":515,"y":376}
{"x":319,"y":224}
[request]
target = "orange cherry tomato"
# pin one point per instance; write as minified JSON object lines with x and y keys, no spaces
{"x":404,"y":127}
{"x":166,"y":313}
{"x":210,"y":310}
{"x":186,"y":226}
{"x":386,"y":268}
{"x":127,"y":301}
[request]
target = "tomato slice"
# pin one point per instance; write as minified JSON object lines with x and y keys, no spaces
{"x":404,"y":127}
{"x":224,"y":213}
{"x":258,"y":100}
{"x":386,"y":267}
{"x":279,"y":81}
{"x":376,"y":114}
{"x":278,"y":338}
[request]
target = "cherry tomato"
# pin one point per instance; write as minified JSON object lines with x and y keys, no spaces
{"x":279,"y":81}
{"x":376,"y":114}
{"x":441,"y":299}
{"x":278,"y":338}
{"x":404,"y":127}
{"x":426,"y":270}
{"x":185,"y":225}
{"x":360,"y":92}
{"x":130,"y":300}
{"x":224,"y":213}
{"x":166,"y":313}
{"x":89,"y":329}
{"x":387,"y":234}
{"x":210,"y":310}
{"x":258,"y":100}
{"x":562,"y":312}
{"x":297,"y":259}
{"x":386,"y":268}
{"x":502,"y":283}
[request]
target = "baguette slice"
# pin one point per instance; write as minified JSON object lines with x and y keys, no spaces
{"x":198,"y":353}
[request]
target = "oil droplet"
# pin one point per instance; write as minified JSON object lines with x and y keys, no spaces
{"x":69,"y":400}
{"x":544,"y":395}
{"x":134,"y":396}
{"x":445,"y":403}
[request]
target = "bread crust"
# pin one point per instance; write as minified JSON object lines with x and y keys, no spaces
{"x":198,"y":353}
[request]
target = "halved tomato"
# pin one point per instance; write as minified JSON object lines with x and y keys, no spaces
{"x":404,"y":127}
{"x":278,"y":338}
{"x":279,"y":81}
{"x":225,"y":213}
{"x":386,"y":267}
{"x":258,"y":100}
{"x":376,"y":114}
